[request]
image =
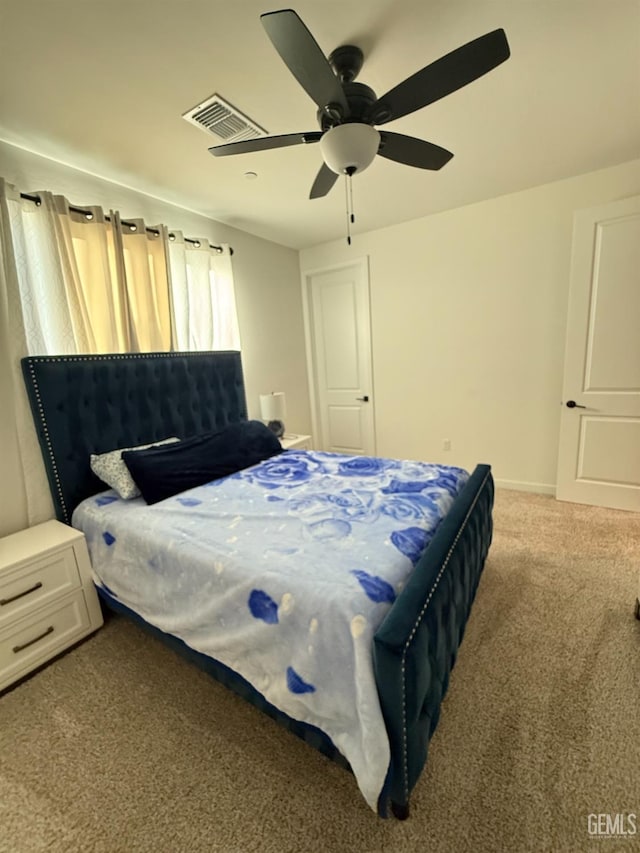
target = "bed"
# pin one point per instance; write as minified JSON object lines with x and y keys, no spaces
{"x":85,"y":405}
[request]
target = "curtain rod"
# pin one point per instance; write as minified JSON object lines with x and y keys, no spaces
{"x":38,"y":201}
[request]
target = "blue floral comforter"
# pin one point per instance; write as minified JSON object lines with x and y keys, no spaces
{"x":283,"y":572}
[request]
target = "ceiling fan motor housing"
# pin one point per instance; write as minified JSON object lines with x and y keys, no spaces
{"x":346,"y":61}
{"x":360,"y":99}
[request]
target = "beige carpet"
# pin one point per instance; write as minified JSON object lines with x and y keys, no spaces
{"x":121,"y":746}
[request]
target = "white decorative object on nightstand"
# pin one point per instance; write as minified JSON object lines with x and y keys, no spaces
{"x":47,"y":597}
{"x":300,"y":442}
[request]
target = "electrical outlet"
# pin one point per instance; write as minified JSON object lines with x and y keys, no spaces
{"x":446,"y":444}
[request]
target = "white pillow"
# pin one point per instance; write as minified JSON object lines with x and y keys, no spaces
{"x":111,"y":469}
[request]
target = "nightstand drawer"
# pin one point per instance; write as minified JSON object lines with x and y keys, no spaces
{"x":39,"y":637}
{"x":36,"y":584}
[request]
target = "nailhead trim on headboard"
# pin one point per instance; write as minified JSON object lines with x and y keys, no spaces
{"x":47,"y":438}
{"x":83,"y":404}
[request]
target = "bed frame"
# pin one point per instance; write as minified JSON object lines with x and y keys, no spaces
{"x":92,"y":404}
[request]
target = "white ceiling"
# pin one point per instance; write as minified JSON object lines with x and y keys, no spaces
{"x":102,"y":87}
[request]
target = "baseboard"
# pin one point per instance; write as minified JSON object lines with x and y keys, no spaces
{"x":540,"y":488}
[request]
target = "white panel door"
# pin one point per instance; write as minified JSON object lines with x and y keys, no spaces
{"x":599,"y":452}
{"x":340,"y":352}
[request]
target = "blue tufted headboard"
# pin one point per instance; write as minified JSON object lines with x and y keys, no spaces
{"x":88,"y":404}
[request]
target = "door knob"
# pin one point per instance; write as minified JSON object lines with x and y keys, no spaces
{"x":364,"y":399}
{"x":571,"y":404}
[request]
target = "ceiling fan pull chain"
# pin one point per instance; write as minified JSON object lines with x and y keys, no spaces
{"x":353,"y":217}
{"x":347,"y":181}
{"x":348,"y":196}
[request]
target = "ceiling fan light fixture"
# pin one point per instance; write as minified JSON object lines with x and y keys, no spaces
{"x":349,"y":148}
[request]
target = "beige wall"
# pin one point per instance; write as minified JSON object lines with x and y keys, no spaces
{"x":267,"y":292}
{"x":468,"y":317}
{"x":468,"y":325}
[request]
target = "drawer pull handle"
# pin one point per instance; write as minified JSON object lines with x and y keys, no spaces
{"x":4,"y":601}
{"x":44,"y":634}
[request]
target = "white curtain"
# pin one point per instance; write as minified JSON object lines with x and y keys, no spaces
{"x":88,"y":283}
{"x":202,"y":295}
{"x":83,"y":281}
{"x":25,"y":497}
{"x":116,"y":280}
{"x":146,"y":277}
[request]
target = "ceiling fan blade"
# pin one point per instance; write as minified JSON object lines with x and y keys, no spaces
{"x":303,"y":57}
{"x":325,"y":179}
{"x":442,"y":77}
{"x":262,"y":143}
{"x":412,"y":151}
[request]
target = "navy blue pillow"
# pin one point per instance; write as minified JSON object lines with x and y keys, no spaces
{"x":166,"y":470}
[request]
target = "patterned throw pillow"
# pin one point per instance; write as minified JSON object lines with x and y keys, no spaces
{"x":111,"y":469}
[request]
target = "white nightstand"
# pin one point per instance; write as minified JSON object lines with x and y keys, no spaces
{"x":299,"y":442}
{"x":47,"y":597}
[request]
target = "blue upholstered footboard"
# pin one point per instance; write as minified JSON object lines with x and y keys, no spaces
{"x":416,"y":646}
{"x":90,"y":404}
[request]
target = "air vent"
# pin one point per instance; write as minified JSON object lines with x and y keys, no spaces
{"x":224,"y":121}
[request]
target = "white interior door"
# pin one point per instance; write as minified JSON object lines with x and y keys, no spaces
{"x":339,"y":349}
{"x":599,"y":451}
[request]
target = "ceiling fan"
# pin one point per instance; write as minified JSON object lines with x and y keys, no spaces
{"x":348,"y":111}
